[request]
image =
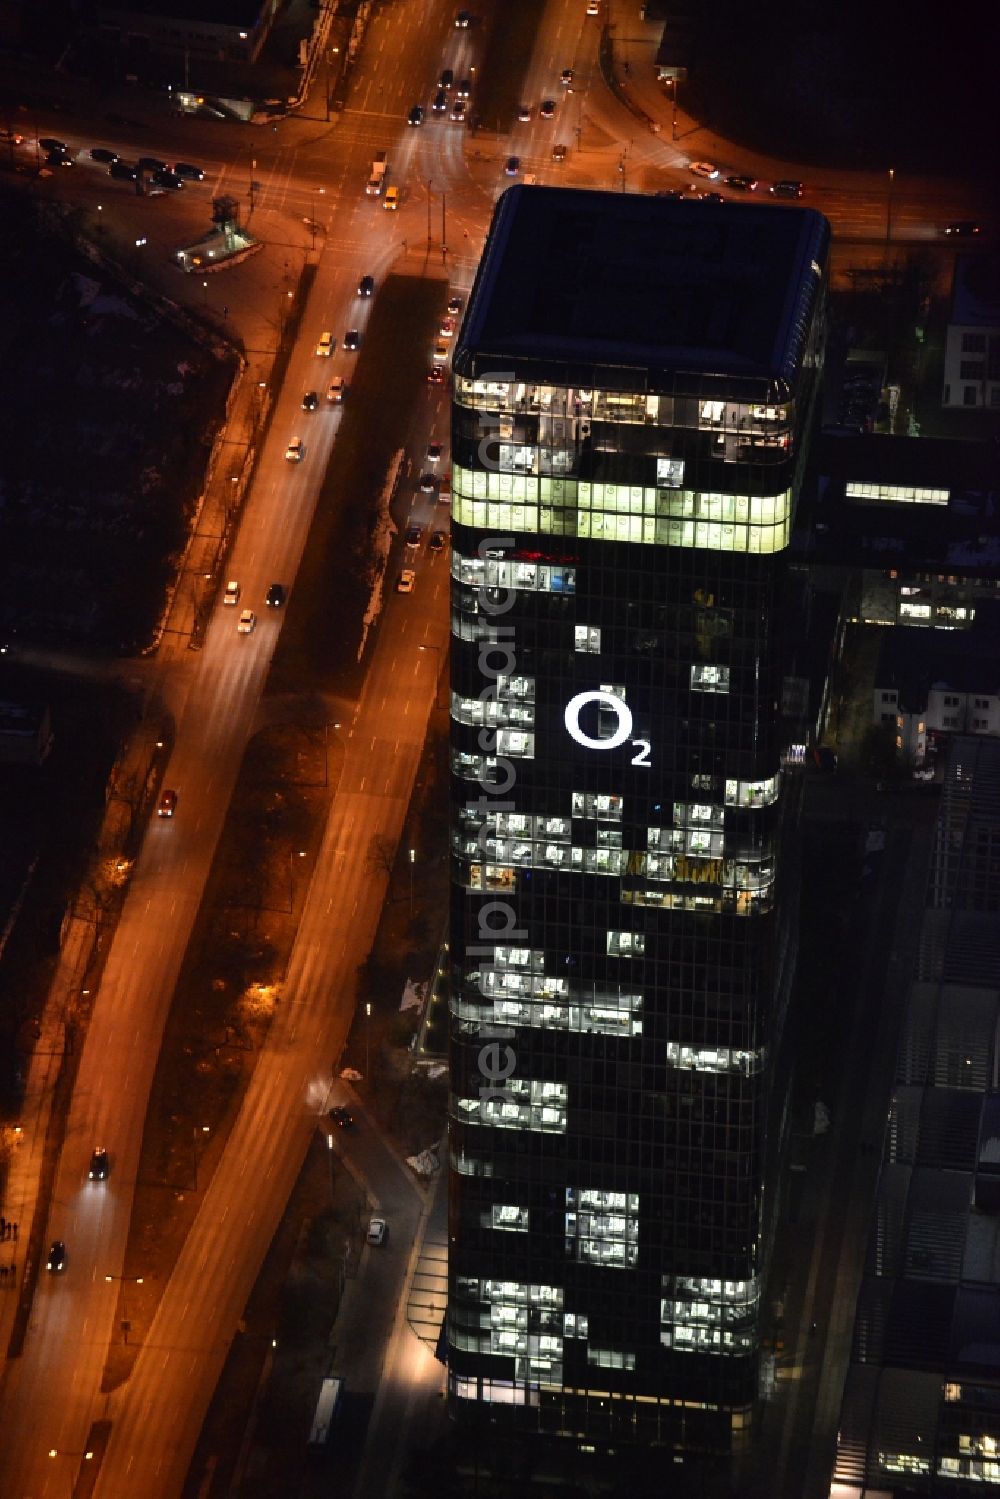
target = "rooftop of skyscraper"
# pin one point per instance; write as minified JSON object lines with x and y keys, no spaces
{"x":619,"y":279}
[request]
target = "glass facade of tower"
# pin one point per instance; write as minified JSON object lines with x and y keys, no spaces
{"x":625,"y":466}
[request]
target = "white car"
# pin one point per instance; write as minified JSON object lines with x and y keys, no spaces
{"x":441,"y":353}
{"x":378,"y":1231}
{"x":247,"y":622}
{"x":592,"y":8}
{"x":232,"y":593}
{"x":335,"y":389}
{"x":295,"y":451}
{"x":406,"y":580}
{"x":704,"y":169}
{"x":327,"y":344}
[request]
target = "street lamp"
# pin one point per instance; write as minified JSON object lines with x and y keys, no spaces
{"x":368,"y":1018}
{"x":413,"y":860}
{"x":197,"y":1130}
{"x":291,"y":876}
{"x":135,"y":1280}
{"x":888,"y":210}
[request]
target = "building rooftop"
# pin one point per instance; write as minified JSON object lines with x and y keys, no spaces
{"x":622,"y":281}
{"x":913,"y":660}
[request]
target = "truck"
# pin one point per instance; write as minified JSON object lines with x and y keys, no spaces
{"x":376,"y":181}
{"x":327,"y":1411}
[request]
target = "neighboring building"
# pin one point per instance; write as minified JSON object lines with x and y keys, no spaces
{"x":632,"y":389}
{"x":972,"y":350}
{"x":25,"y":733}
{"x":220,"y":30}
{"x":921,"y":1403}
{"x":911,"y":523}
{"x":930,"y":685}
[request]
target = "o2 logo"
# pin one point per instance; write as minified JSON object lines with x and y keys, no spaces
{"x":621,"y":735}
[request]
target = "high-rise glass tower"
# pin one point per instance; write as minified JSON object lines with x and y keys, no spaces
{"x":632,"y":389}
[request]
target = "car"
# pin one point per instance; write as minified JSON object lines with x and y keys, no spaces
{"x":414,"y":536}
{"x":341,"y":1117}
{"x":463,"y":19}
{"x":247,"y":623}
{"x":434,"y":452}
{"x":101,"y":153}
{"x":786,"y":188}
{"x":742,"y":184}
{"x":57,"y":1255}
{"x":327,"y":344}
{"x":427,"y":483}
{"x":512,"y":166}
{"x":99,"y":1165}
{"x":713,"y":198}
{"x":406,"y":580}
{"x":447,"y":78}
{"x":366,"y":286}
{"x":232,"y":593}
{"x":963,"y":228}
{"x":49,"y":143}
{"x":455,"y":305}
{"x":547,"y":109}
{"x":188,"y":171}
{"x":378,"y":1231}
{"x":566,"y":77}
{"x":458,"y":111}
{"x":391,"y":199}
{"x":592,"y":7}
{"x":464,"y":88}
{"x":440,"y":102}
{"x":310,"y":401}
{"x":524,"y":113}
{"x":335,"y":389}
{"x":672,"y":192}
{"x":441,"y":353}
{"x":151,"y":164}
{"x":352,"y":340}
{"x":558,"y":153}
{"x":446,"y":328}
{"x":167,"y":804}
{"x":59,"y":159}
{"x":416,"y":115}
{"x":295,"y":451}
{"x":122,"y":171}
{"x":438,"y":541}
{"x":704,"y":169}
{"x":435,"y":375}
{"x":275,"y":596}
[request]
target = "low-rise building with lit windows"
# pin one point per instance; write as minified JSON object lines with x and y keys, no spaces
{"x":632,"y":388}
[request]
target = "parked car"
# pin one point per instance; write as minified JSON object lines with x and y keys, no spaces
{"x":101,"y":153}
{"x":187,"y":170}
{"x":49,"y":143}
{"x":59,"y":159}
{"x":742,"y":184}
{"x":704,"y":169}
{"x":167,"y":804}
{"x":548,"y":109}
{"x":378,"y":1231}
{"x":122,"y":171}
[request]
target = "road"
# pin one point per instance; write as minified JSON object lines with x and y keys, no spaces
{"x":314,"y":172}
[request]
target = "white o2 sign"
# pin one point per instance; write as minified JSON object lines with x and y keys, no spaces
{"x":622,"y":734}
